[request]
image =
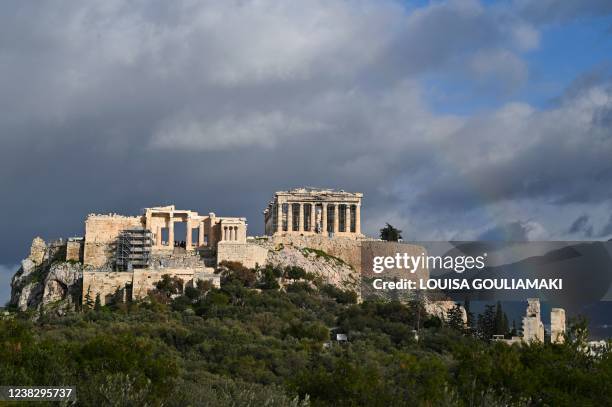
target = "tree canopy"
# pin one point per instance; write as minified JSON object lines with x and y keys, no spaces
{"x":390,"y":234}
{"x":251,"y":342}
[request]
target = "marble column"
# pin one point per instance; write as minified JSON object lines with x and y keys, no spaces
{"x":358,"y":219}
{"x":171,"y":230}
{"x":301,"y":218}
{"x":279,"y":217}
{"x":188,"y":234}
{"x":336,"y":220}
{"x":148,"y":221}
{"x":324,"y":218}
{"x":158,"y":237}
{"x":201,"y":234}
{"x":313,"y":218}
{"x":290,"y":217}
{"x":347,"y":218}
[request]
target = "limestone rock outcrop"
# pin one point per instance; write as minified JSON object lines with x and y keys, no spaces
{"x":44,"y":278}
{"x":331,"y":269}
{"x":440,"y":309}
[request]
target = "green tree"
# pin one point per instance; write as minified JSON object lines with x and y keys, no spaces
{"x":501,"y":321}
{"x":89,"y":302}
{"x":98,"y":303}
{"x":487,"y":324}
{"x":390,"y":234}
{"x":577,"y":335}
{"x":233,"y":271}
{"x":294,"y":273}
{"x":417,"y":304}
{"x":340,"y":295}
{"x":169,"y":286}
{"x":454,"y":318}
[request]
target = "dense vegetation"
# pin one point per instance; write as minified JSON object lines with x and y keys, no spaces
{"x":251,"y":343}
{"x":390,"y":234}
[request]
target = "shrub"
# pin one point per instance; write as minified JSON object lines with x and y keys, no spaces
{"x":341,"y":296}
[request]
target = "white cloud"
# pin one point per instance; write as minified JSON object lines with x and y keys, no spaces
{"x":526,"y":37}
{"x":331,"y":92}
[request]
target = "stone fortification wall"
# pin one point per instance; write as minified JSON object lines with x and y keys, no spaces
{"x":177,"y":259}
{"x":249,"y":254}
{"x":101,"y":232}
{"x":105,"y":284}
{"x":74,"y":250}
{"x":350,"y":250}
{"x":144,"y":280}
{"x":347,"y":249}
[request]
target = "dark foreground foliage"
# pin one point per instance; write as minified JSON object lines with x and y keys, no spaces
{"x":244,"y":345}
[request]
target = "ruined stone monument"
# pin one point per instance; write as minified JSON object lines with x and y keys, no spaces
{"x":314,"y":211}
{"x":132,"y":253}
{"x":202,"y":231}
{"x":533,"y":328}
{"x":557,"y":325}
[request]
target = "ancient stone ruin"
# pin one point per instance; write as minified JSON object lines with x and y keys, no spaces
{"x":310,"y":211}
{"x":125,"y":256}
{"x":533,"y":328}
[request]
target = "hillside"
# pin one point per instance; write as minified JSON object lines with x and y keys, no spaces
{"x":46,"y":281}
{"x":249,"y":343}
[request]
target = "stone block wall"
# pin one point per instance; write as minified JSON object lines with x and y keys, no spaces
{"x":141,"y":281}
{"x":145,"y":280}
{"x":101,"y":232}
{"x":350,"y":249}
{"x":74,"y":250}
{"x":249,"y":254}
{"x":104,"y":283}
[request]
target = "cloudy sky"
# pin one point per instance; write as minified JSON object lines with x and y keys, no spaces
{"x":458,"y":119}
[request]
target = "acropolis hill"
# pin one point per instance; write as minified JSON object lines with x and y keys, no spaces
{"x":130,"y":254}
{"x":122,"y":258}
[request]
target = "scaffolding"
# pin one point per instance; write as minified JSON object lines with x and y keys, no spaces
{"x":133,"y":249}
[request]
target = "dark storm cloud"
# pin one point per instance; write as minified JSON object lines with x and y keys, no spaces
{"x":115,"y":106}
{"x":606,"y":231}
{"x":581,"y":226}
{"x":517,"y":231}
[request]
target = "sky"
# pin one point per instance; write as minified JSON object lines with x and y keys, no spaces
{"x":456,"y":119}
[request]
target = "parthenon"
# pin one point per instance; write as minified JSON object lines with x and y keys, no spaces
{"x":310,"y":211}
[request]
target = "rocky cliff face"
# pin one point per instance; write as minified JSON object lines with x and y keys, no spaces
{"x":45,"y":280}
{"x":331,"y":269}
